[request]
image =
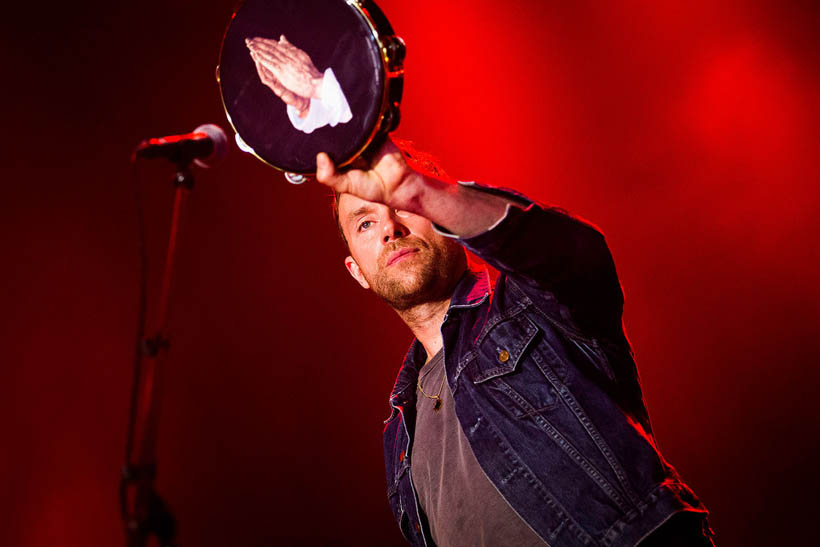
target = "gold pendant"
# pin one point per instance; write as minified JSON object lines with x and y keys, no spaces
{"x":437,"y":404}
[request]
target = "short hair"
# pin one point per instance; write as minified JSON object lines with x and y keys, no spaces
{"x":418,"y":160}
{"x":335,"y":207}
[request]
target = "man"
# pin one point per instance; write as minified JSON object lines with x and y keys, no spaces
{"x":517,"y":416}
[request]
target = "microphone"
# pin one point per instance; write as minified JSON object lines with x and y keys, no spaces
{"x":206,"y":146}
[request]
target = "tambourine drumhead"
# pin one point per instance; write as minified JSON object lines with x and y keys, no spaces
{"x":341,"y":42}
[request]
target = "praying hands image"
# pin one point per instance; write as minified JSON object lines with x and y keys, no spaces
{"x":313,"y":99}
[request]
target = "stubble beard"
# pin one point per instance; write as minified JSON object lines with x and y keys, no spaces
{"x":427,"y":276}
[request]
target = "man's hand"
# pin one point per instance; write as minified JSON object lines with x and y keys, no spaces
{"x":288,"y":65}
{"x":384,"y":178}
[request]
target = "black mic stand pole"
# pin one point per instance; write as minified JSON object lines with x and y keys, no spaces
{"x":143,"y":511}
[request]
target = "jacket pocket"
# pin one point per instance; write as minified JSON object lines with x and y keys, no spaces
{"x":502,"y":365}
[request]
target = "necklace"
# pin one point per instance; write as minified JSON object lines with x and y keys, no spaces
{"x":437,"y":396}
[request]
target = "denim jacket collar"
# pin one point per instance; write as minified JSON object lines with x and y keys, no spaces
{"x":472,"y":290}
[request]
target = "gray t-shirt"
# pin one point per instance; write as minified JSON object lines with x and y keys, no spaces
{"x":461,"y":504}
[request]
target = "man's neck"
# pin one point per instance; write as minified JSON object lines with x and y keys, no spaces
{"x":425,"y":322}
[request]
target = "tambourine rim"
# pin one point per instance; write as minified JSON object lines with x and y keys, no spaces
{"x":385,"y":72}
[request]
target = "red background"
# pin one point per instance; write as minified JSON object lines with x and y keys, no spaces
{"x":686,"y":130}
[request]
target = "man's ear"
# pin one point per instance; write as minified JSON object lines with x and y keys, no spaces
{"x":355,"y":272}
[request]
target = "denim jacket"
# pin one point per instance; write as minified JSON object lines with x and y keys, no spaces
{"x":545,"y":389}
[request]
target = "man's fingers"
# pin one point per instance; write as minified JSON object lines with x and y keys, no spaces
{"x":325,"y":170}
{"x":354,"y":181}
{"x":327,"y":174}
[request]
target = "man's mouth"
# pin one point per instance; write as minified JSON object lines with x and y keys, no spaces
{"x":401,"y":254}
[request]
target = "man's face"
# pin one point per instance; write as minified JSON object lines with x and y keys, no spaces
{"x":398,"y":254}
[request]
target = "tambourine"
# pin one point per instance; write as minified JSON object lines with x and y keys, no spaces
{"x":299,"y":77}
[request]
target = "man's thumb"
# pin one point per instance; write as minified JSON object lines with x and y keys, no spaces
{"x":324,"y":167}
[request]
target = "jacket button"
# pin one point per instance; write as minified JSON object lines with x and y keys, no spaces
{"x":504,"y":356}
{"x":401,"y":456}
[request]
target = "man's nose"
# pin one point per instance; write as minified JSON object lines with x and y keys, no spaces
{"x":393,"y":228}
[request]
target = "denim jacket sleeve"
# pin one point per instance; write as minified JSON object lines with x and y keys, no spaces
{"x":548,"y":249}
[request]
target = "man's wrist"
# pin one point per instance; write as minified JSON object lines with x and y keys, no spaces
{"x":411,"y":195}
{"x":458,"y":208}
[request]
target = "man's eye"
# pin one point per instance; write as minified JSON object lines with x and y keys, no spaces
{"x":365,"y":225}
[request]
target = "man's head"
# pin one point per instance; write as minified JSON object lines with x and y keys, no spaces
{"x":398,"y":254}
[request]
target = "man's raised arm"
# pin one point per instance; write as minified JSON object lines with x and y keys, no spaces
{"x":544,"y":247}
{"x":390,"y":180}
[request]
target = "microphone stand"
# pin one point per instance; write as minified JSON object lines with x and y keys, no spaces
{"x":144,"y":513}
